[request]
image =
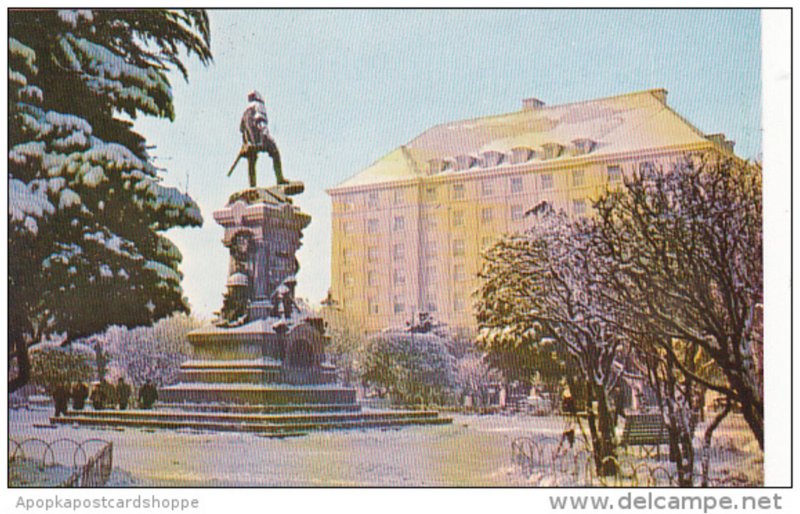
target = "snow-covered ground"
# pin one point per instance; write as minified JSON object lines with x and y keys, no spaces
{"x":473,"y":451}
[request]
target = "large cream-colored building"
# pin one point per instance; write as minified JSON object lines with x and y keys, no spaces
{"x":408,"y":230}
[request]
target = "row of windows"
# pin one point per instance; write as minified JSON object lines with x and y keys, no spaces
{"x":458,"y":218}
{"x":399,"y":276}
{"x":399,"y":305}
{"x":430,"y":251}
{"x":399,"y":251}
{"x":516,"y":185}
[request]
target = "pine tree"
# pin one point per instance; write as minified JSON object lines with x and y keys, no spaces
{"x":86,"y":206}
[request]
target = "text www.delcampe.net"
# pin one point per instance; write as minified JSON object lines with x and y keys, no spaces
{"x":653,"y":501}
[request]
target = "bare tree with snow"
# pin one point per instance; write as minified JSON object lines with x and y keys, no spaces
{"x":686,"y":250}
{"x":545,"y":285}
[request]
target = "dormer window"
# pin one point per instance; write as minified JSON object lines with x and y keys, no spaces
{"x":551,"y":150}
{"x":439,"y":165}
{"x":492,"y":159}
{"x":521,"y":154}
{"x":465,"y":162}
{"x":582,"y":146}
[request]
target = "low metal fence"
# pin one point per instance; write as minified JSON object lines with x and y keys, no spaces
{"x":573,"y":464}
{"x":90,"y":462}
{"x":554,"y":459}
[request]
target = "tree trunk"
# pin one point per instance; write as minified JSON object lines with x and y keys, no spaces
{"x":601,"y":427}
{"x":707,"y":440}
{"x":23,"y":365}
{"x":681,"y":451}
{"x":753,"y":413}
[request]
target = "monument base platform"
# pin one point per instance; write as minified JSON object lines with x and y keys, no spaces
{"x":254,"y":394}
{"x":296,"y":423}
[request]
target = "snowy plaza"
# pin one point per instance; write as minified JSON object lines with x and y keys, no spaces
{"x":474,"y":451}
{"x":354,"y":251}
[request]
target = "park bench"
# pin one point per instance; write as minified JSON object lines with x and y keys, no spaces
{"x":647,"y":431}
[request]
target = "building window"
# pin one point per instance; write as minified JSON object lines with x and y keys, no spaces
{"x":399,"y":252}
{"x":348,"y":279}
{"x":431,"y":306}
{"x":646,"y":167}
{"x":579,"y":207}
{"x":399,"y":304}
{"x":487,"y":187}
{"x":399,"y":277}
{"x":577,"y":178}
{"x":430,"y":272}
{"x":372,"y":278}
{"x":515,"y":184}
{"x":521,"y":154}
{"x":347,"y":227}
{"x":547,"y":181}
{"x":373,"y":306}
{"x":372,"y":254}
{"x":431,"y":251}
{"x":458,"y":247}
{"x":347,"y":255}
{"x":458,"y":218}
{"x":399,"y":196}
{"x":372,"y":199}
{"x":614,"y":174}
{"x":458,"y":273}
{"x":399,"y":223}
{"x":457,"y":192}
{"x":551,"y":150}
{"x":516,"y":212}
{"x":373,"y":226}
{"x":486,"y":215}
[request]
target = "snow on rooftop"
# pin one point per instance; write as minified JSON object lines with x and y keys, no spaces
{"x":621,"y":124}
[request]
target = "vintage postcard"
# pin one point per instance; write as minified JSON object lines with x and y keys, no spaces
{"x":281,"y":248}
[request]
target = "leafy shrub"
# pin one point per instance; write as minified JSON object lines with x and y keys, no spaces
{"x":154,"y":352}
{"x":52,"y":364}
{"x":415,"y":368}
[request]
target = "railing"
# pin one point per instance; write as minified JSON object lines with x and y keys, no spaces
{"x":90,"y":461}
{"x":555,"y":459}
{"x":547,"y":458}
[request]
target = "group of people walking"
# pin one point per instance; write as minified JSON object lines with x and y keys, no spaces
{"x":103,"y":395}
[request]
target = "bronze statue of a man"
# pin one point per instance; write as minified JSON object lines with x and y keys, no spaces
{"x":256,"y":138}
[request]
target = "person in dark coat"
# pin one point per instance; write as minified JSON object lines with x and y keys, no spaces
{"x":148,"y":395}
{"x":123,"y":394}
{"x":61,"y":398}
{"x":109,"y":393}
{"x":80,"y":391}
{"x":98,"y":397}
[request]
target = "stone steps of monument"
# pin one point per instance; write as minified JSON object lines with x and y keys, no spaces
{"x":254,"y":376}
{"x":257,"y":394}
{"x":261,"y":409}
{"x":251,"y":364}
{"x":260,"y":424}
{"x":227,"y":417}
{"x":244,"y":376}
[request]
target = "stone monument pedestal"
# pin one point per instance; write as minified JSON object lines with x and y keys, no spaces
{"x":260,"y":367}
{"x":268,"y":349}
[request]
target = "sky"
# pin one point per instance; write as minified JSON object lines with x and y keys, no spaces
{"x":345,"y":87}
